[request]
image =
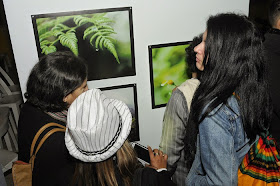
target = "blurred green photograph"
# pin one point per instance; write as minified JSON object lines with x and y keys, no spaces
{"x":103,"y":37}
{"x":168,"y":69}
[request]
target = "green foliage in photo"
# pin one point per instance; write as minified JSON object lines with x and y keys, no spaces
{"x":169,"y":71}
{"x":97,"y":30}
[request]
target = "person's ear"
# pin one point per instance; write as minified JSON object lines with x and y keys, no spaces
{"x":65,"y":99}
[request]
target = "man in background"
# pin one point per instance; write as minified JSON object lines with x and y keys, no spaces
{"x":272,"y":49}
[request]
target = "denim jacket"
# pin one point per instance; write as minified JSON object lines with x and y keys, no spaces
{"x":221,"y":147}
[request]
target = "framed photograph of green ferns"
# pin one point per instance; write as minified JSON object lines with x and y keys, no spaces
{"x":128,"y":95}
{"x":103,"y":37}
{"x":168,"y":69}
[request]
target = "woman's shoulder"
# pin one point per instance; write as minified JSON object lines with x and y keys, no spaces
{"x":189,"y":85}
{"x":225,"y":111}
{"x":30,"y":113}
{"x":188,"y":89}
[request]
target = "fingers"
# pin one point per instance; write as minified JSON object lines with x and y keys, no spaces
{"x":157,"y":159}
{"x":165,"y":157}
{"x":156,"y":152}
{"x":151,"y":153}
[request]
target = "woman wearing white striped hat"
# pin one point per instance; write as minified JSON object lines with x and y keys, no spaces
{"x":96,"y":135}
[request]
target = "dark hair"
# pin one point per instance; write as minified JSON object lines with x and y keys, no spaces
{"x":191,"y":56}
{"x":233,"y":62}
{"x":55,"y":76}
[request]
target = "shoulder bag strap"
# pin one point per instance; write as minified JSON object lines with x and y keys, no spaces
{"x":40,"y":132}
{"x":60,"y":129}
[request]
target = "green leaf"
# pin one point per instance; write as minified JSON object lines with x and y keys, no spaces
{"x":45,"y":42}
{"x":57,"y":33}
{"x":94,"y":36}
{"x":80,"y":20}
{"x":45,"y":26}
{"x":62,"y":19}
{"x":89,"y":31}
{"x":60,"y":27}
{"x":97,"y":15}
{"x":104,"y":27}
{"x":48,"y":49}
{"x":70,"y":41}
{"x":45,"y":36}
{"x":110,"y":46}
{"x":101,"y":42}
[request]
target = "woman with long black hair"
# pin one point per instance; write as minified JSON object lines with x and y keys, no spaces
{"x":231,"y":106}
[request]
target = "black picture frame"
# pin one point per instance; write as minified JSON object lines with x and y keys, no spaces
{"x":103,"y":37}
{"x":164,"y":69}
{"x":127,"y":94}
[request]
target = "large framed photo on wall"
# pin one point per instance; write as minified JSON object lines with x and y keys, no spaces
{"x":127,"y":94}
{"x":168,"y":69}
{"x":103,"y":37}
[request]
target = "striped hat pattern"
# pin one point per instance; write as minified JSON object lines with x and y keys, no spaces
{"x":96,"y":126}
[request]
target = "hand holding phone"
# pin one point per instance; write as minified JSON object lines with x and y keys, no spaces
{"x":158,"y":159}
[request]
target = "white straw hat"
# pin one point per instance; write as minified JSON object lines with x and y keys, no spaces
{"x":96,"y":126}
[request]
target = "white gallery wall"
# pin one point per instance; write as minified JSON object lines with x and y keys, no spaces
{"x":154,"y":22}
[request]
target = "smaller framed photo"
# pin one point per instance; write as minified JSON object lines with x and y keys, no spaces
{"x":168,"y":69}
{"x":127,"y":94}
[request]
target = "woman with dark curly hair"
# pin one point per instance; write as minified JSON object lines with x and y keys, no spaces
{"x":231,"y":106}
{"x":53,"y":84}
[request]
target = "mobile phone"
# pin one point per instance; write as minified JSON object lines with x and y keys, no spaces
{"x":142,"y":152}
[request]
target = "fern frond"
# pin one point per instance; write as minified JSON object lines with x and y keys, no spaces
{"x":80,"y":20}
{"x":60,"y":27}
{"x":48,"y":49}
{"x":45,"y":35}
{"x":40,"y":21}
{"x":45,"y":27}
{"x":111,"y":31}
{"x":94,"y":36}
{"x":106,"y":33}
{"x":45,"y":42}
{"x":70,"y":41}
{"x":104,"y":27}
{"x":102,"y":41}
{"x":111,"y":38}
{"x":57,"y":33}
{"x":62,"y":19}
{"x":97,"y":41}
{"x":100,"y":33}
{"x":99,"y":18}
{"x":110,"y":46}
{"x":99,"y":15}
{"x":89,"y":31}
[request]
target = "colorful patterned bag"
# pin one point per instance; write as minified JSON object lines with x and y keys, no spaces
{"x":261,"y":165}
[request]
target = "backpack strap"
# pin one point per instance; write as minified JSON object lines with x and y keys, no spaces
{"x":60,"y":128}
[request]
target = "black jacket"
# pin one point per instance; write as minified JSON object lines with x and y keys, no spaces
{"x":53,"y":155}
{"x":272,"y":50}
{"x":150,"y":177}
